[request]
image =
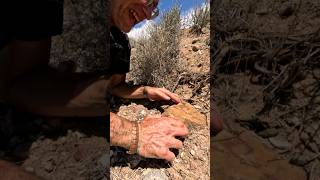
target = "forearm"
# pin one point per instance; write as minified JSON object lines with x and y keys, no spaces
{"x":120,"y":131}
{"x":52,"y":93}
{"x":124,"y":91}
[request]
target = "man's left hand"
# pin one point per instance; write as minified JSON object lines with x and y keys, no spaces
{"x":160,"y":94}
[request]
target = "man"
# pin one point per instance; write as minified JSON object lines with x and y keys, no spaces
{"x":28,"y":83}
{"x":125,"y":14}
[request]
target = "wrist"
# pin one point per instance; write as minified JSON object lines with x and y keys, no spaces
{"x":145,"y":91}
{"x":121,"y":131}
{"x":134,"y":144}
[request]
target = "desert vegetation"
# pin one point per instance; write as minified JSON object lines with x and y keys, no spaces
{"x":156,"y":56}
{"x":265,"y":60}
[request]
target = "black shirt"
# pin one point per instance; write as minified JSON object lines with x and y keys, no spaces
{"x":120,"y":51}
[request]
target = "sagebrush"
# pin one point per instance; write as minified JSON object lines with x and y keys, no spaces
{"x":200,"y":17}
{"x":156,"y":59}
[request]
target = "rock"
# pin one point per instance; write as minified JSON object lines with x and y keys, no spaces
{"x":268,"y":133}
{"x":262,"y":11}
{"x":294,"y":121}
{"x":286,"y":9}
{"x":29,"y":169}
{"x":313,"y":147}
{"x":104,"y":161}
{"x":315,"y":174}
{"x":187,"y":113}
{"x":192,"y":152}
{"x":195,"y":41}
{"x":304,"y":137}
{"x":154,"y":174}
{"x":302,"y":159}
{"x":316,"y":73}
{"x":310,"y":130}
{"x":280,"y":143}
{"x":48,"y":166}
{"x":248,"y":158}
{"x":195,"y":48}
{"x":78,"y":155}
{"x":134,"y":161}
{"x":79,"y":135}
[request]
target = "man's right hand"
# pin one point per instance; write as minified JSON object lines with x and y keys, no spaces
{"x":157,"y":135}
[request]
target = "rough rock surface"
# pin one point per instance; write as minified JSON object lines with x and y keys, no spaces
{"x":248,"y":158}
{"x":187,"y":113}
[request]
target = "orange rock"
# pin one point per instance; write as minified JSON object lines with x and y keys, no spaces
{"x":187,"y":113}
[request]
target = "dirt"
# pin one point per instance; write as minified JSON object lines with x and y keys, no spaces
{"x":192,"y":161}
{"x":55,"y":148}
{"x":266,"y":87}
{"x":69,"y":157}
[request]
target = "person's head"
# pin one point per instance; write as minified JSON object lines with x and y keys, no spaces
{"x":127,"y":13}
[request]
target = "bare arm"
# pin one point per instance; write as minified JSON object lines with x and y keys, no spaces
{"x":120,"y":131}
{"x":33,"y":86}
{"x":121,"y":89}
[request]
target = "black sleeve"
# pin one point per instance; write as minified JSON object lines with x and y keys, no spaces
{"x":120,"y":52}
{"x":31,"y":19}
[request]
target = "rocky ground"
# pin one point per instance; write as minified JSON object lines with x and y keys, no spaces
{"x":192,"y":160}
{"x":266,"y":59}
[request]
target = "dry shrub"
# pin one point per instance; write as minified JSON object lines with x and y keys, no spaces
{"x":156,"y":60}
{"x":200,"y":18}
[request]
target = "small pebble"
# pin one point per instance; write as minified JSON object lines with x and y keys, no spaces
{"x":29,"y":169}
{"x":155,"y":174}
{"x":192,"y":152}
{"x":280,"y":143}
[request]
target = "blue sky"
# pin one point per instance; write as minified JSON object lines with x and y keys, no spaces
{"x":164,"y":5}
{"x":186,"y":5}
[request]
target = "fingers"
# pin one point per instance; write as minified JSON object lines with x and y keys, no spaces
{"x":164,"y":96}
{"x":174,"y":143}
{"x":172,"y":96}
{"x":161,"y":96}
{"x":179,"y":128}
{"x":181,"y":132}
{"x":165,"y":153}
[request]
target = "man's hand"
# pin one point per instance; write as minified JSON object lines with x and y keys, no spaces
{"x":159,"y":94}
{"x":157,"y":135}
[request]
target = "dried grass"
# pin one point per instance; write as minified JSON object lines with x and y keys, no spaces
{"x":156,"y":60}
